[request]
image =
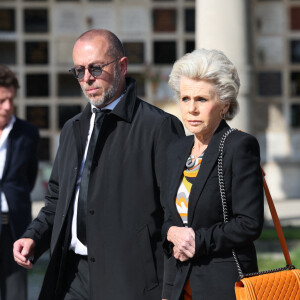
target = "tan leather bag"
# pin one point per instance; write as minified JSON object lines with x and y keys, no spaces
{"x":278,"y":284}
{"x":281,"y":284}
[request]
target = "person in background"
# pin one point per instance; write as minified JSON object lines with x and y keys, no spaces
{"x":103,"y":216}
{"x":18,"y":170}
{"x":196,"y":239}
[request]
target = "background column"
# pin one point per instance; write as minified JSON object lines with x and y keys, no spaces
{"x":222,"y":24}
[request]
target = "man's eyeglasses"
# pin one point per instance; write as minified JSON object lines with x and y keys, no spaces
{"x":95,"y":70}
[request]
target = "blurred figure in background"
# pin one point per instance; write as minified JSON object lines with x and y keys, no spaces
{"x":18,"y":170}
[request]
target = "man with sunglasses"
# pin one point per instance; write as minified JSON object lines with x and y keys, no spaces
{"x":103,"y":214}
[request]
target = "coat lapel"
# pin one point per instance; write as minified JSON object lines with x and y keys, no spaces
{"x":81,"y":128}
{"x":10,"y":145}
{"x":208,"y":162}
{"x":178,"y":164}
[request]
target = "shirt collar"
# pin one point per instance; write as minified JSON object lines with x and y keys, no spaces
{"x":7,"y":129}
{"x":110,"y":106}
{"x":10,"y":124}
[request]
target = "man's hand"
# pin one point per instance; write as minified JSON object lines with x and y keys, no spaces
{"x":183,"y":239}
{"x":23,"y":251}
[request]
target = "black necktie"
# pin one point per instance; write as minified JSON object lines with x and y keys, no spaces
{"x":85,"y":177}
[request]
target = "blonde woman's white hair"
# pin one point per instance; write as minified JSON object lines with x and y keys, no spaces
{"x":211,"y":65}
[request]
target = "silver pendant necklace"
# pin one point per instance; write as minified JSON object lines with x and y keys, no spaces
{"x":190,"y":163}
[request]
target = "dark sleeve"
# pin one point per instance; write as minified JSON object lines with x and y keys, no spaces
{"x":170,"y":130}
{"x":167,"y":246}
{"x":33,"y":159}
{"x":169,"y":260}
{"x":169,"y":276}
{"x":40,"y":229}
{"x":246,"y":186}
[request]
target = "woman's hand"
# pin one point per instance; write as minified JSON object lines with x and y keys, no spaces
{"x":183,"y":239}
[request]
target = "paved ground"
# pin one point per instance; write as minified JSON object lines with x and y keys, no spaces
{"x":288,"y":212}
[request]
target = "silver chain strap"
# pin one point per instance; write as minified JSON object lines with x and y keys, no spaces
{"x":223,"y":192}
{"x":221,"y":175}
{"x":226,"y":214}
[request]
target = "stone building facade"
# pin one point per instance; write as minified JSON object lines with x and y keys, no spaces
{"x":262,"y":37}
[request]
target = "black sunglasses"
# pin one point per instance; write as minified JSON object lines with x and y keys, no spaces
{"x":95,"y":70}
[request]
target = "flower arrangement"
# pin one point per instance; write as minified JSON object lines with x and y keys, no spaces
{"x":155,"y":76}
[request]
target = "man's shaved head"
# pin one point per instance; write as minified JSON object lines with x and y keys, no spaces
{"x":115,"y":50}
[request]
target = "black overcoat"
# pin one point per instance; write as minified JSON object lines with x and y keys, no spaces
{"x":212,"y":272}
{"x":124,"y":213}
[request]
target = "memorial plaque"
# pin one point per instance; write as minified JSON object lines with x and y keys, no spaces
{"x":36,"y":53}
{"x":38,"y":116}
{"x":189,"y":14}
{"x":7,"y":19}
{"x":134,"y":20}
{"x":66,"y":112}
{"x":295,"y":51}
{"x":37,"y":85}
{"x":164,"y":20}
{"x":134,"y":51}
{"x":270,"y":18}
{"x":295,"y":115}
{"x":295,"y":84}
{"x":295,"y":18}
{"x":101,"y":17}
{"x":63,"y":49}
{"x":189,"y":46}
{"x":67,"y":86}
{"x":36,"y":20}
{"x":140,"y":80}
{"x":269,"y":83}
{"x":44,"y":149}
{"x":164,"y":52}
{"x":67,"y":20}
{"x":269,"y":50}
{"x":8,"y":53}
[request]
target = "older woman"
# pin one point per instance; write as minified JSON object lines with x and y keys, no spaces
{"x":207,"y":84}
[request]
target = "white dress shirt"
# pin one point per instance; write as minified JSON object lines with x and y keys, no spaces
{"x":75,"y":244}
{"x":3,"y":152}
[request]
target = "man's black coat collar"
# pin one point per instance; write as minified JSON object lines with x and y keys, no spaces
{"x":124,"y":109}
